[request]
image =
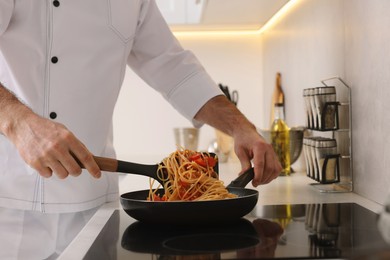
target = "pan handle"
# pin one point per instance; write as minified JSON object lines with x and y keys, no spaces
{"x":242,"y":180}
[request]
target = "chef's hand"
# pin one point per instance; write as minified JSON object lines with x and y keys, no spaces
{"x":249,"y":146}
{"x":47,"y":146}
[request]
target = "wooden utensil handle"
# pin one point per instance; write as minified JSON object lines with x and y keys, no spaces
{"x":113,"y":165}
{"x":106,"y":164}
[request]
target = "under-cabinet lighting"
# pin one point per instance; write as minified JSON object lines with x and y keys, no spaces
{"x":216,"y":33}
{"x":276,"y":17}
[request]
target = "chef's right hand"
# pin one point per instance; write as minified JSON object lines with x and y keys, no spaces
{"x":49,"y":147}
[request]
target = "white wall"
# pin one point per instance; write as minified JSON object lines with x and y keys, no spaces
{"x":350,"y":39}
{"x":367,"y":62}
{"x":143,"y":120}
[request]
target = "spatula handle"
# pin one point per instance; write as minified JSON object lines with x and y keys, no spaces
{"x":106,"y":164}
{"x":113,"y":165}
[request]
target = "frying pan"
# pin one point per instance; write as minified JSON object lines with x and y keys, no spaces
{"x":193,"y":212}
{"x":137,"y":206}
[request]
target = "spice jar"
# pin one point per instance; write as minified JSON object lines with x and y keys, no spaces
{"x":315,"y":144}
{"x":309,"y":115}
{"x":310,"y":157}
{"x":306,"y":150}
{"x":313,"y":92}
{"x":326,"y":107}
{"x":326,"y":157}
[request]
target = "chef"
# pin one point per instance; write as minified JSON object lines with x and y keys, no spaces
{"x":62,"y":63}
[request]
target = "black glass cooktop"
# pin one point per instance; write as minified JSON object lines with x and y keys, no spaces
{"x":304,"y":231}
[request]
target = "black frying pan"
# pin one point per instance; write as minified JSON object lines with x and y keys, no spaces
{"x":193,"y":212}
{"x":181,"y":212}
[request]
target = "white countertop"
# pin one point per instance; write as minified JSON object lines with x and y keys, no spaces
{"x":294,"y":189}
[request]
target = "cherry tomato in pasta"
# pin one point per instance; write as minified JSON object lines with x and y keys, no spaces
{"x":211,"y":161}
{"x":206,"y":161}
{"x":158,"y":198}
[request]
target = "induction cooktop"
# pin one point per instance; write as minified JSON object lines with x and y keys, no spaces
{"x":300,"y":231}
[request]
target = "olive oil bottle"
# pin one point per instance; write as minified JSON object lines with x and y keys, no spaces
{"x":280,"y":138}
{"x":277,"y":96}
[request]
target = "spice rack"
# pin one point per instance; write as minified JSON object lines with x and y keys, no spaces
{"x":340,"y":131}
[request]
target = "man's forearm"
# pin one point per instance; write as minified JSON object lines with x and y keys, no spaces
{"x":222,"y":114}
{"x":10,"y":110}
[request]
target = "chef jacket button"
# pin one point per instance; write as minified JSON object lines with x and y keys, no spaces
{"x":53,"y":115}
{"x":54,"y":59}
{"x":56,"y":3}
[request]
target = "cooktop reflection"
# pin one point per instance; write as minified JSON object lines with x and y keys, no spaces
{"x":302,"y":231}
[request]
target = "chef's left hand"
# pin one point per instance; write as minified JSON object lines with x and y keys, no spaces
{"x":250,"y":148}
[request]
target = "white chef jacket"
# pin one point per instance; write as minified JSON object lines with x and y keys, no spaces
{"x":66,"y":60}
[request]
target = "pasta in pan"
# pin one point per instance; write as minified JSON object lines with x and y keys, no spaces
{"x":189,"y":176}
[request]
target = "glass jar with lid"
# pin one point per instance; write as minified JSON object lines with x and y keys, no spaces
{"x":313,"y":92}
{"x":327,"y":160}
{"x":326,"y":108}
{"x":309,"y":115}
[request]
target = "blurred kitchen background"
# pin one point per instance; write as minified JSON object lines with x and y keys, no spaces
{"x":243,"y":45}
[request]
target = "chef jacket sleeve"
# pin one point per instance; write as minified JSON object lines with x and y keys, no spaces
{"x":162,"y":63}
{"x":6,"y":8}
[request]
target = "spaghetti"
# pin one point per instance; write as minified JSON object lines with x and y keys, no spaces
{"x":189,"y":176}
